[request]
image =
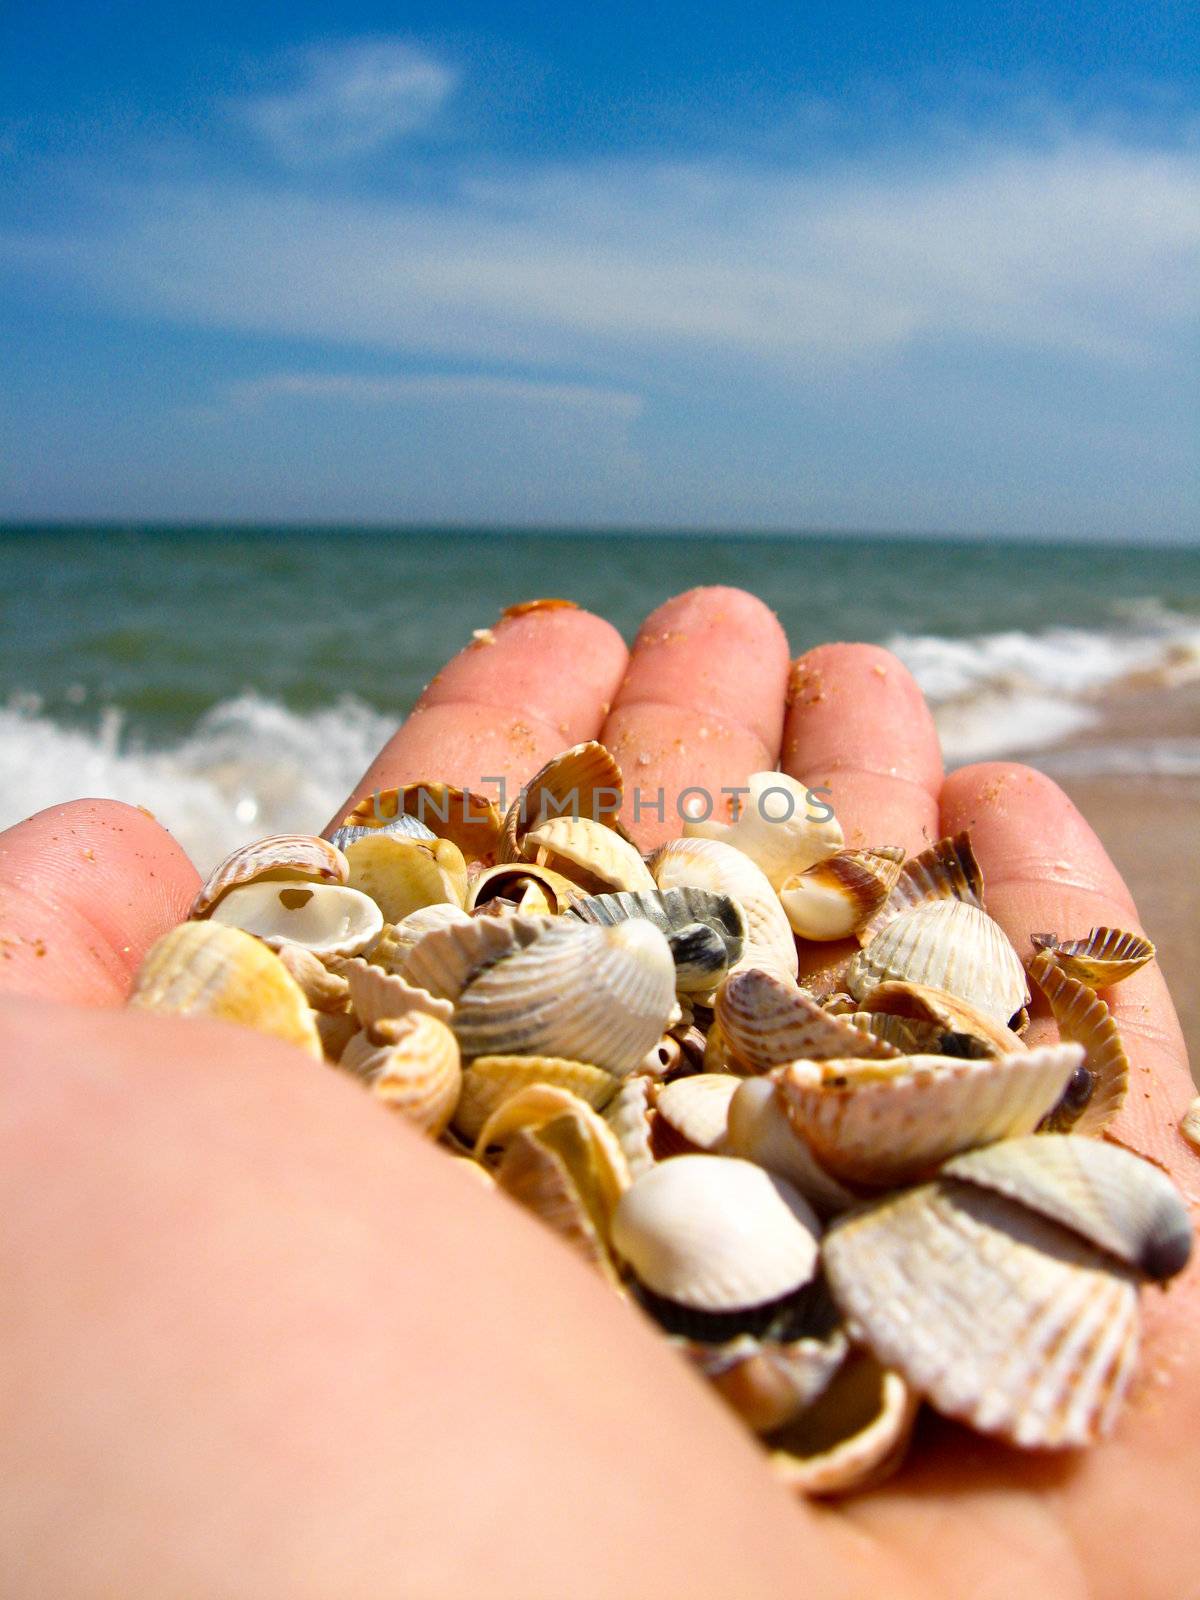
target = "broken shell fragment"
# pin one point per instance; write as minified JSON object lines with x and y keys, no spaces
{"x":1105,"y":957}
{"x":950,"y":945}
{"x":766,"y":1021}
{"x":629,"y":1114}
{"x":1119,"y":1202}
{"x":491,"y":1080}
{"x":404,"y":875}
{"x":996,"y":1315}
{"x":718,"y":867}
{"x":594,"y":1154}
{"x":775,"y":828}
{"x":854,"y":1433}
{"x":283,"y":858}
{"x":706,"y":930}
{"x":942,"y":1022}
{"x":716,"y":1234}
{"x":1094,"y":1096}
{"x":411,"y":1064}
{"x":327,"y":918}
{"x":210,"y":969}
{"x":524,"y":886}
{"x":836,"y":896}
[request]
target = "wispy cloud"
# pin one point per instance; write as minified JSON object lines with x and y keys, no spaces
{"x":251,"y":394}
{"x":349,"y":100}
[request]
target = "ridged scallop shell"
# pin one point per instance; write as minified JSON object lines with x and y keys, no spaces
{"x":716,"y":1234}
{"x":1105,"y":957}
{"x":403,"y":875}
{"x":324,"y":990}
{"x":994,"y":1314}
{"x":855,"y":1433}
{"x":836,"y":896}
{"x":948,"y":870}
{"x":697,"y":1108}
{"x":958,"y":1027}
{"x":376,"y":994}
{"x":909,"y":1037}
{"x":329,"y":919}
{"x":491,"y":1080}
{"x":1098,"y":1093}
{"x":1107,"y":1195}
{"x":283,"y":858}
{"x":774,"y":828}
{"x":584,"y":781}
{"x":470,"y":821}
{"x":587,"y":852}
{"x":589,"y":1146}
{"x":209,"y":969}
{"x":766,"y":1383}
{"x":706,"y":931}
{"x":539,"y":1177}
{"x":628,"y":1114}
{"x":401,"y":827}
{"x":532,"y":890}
{"x":445,"y":960}
{"x":391,"y":949}
{"x":710,"y":864}
{"x":601,"y":995}
{"x":889,"y":1122}
{"x":758,"y":1130}
{"x":765,"y":1022}
{"x":950,"y":945}
{"x":411,"y":1064}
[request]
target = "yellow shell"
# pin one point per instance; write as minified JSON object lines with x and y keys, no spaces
{"x":404,"y":875}
{"x":324,"y":990}
{"x":391,"y":949}
{"x":283,"y":858}
{"x":595,"y":857}
{"x":595,"y":1154}
{"x":584,"y":781}
{"x":491,"y":1080}
{"x":376,"y":994}
{"x":208,"y":969}
{"x":531,"y":889}
{"x":1189,"y":1124}
{"x":1105,"y":957}
{"x":855,"y":1433}
{"x":411,"y":1065}
{"x":470,"y":821}
{"x":1084,"y":1018}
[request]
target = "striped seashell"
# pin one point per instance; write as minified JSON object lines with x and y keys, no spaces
{"x":774,"y":828}
{"x":706,"y":931}
{"x":429,"y":810}
{"x":630,"y":1114}
{"x":584,"y":781}
{"x":1105,"y":957}
{"x":445,"y":960}
{"x":889,"y":1122}
{"x":948,"y":1025}
{"x":400,"y":827}
{"x":391,"y":949}
{"x":324,"y":990}
{"x":209,"y":969}
{"x":491,"y":1080}
{"x":588,"y":853}
{"x":833,"y":898}
{"x":1097,"y":1092}
{"x":950,"y":945}
{"x":327,"y":918}
{"x":855,"y":1434}
{"x":948,"y":870}
{"x":766,"y":1022}
{"x":411,"y":1065}
{"x":995,"y":1315}
{"x":283,"y":858}
{"x":404,"y":875}
{"x":376,"y":994}
{"x":718,"y":867}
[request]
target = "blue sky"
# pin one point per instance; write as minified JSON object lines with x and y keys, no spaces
{"x":924,"y":267}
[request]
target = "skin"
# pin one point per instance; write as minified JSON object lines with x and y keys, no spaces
{"x":257,"y":1338}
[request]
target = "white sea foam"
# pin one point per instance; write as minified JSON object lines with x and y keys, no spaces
{"x":250,"y":766}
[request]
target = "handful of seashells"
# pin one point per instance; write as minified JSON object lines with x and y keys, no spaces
{"x":839,"y":1199}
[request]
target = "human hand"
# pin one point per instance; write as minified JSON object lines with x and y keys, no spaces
{"x":261,"y":1340}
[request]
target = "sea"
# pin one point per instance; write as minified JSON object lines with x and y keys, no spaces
{"x":237,"y":681}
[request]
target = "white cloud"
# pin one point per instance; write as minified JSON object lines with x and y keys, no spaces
{"x":351,"y":99}
{"x":250,"y":394}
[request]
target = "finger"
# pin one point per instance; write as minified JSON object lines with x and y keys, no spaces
{"x":857,"y":724}
{"x":541,"y":679}
{"x":701,"y":706}
{"x":85,"y":888}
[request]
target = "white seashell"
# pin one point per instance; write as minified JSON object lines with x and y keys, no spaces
{"x":774,"y":828}
{"x":889,"y":1122}
{"x":324,"y":990}
{"x":592,"y":855}
{"x":391,"y":948}
{"x":376,"y":994}
{"x":427,"y":811}
{"x":758,"y":1130}
{"x":995,"y":1315}
{"x":706,"y":931}
{"x":697,"y":1108}
{"x":855,"y":1433}
{"x":948,"y":870}
{"x":283,"y":858}
{"x":766,"y":1021}
{"x":326,"y":918}
{"x":445,"y":960}
{"x":716,"y":1234}
{"x":1107,"y":1195}
{"x":833,"y":898}
{"x":710,"y":864}
{"x":403,"y":875}
{"x":950,"y":945}
{"x":628,"y":1114}
{"x":600,"y":995}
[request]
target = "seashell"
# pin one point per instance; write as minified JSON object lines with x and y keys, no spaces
{"x":663,"y":1058}
{"x":1097,"y":1092}
{"x":432,"y":811}
{"x":335,"y":1030}
{"x":774,"y":828}
{"x":391,"y":948}
{"x":596,"y":1158}
{"x":445,"y":960}
{"x":491,"y":1080}
{"x":629,"y":1115}
{"x":758,"y":1130}
{"x":836,"y":896}
{"x":765,"y":1022}
{"x":400,"y":827}
{"x":531,"y":889}
{"x":1107,"y":956}
{"x":403,"y":875}
{"x":324,"y":990}
{"x":472,"y":1170}
{"x":994,"y":1314}
{"x":908,"y":1036}
{"x":1107,"y":1195}
{"x":696,"y":1108}
{"x":376,"y":994}
{"x":959,"y":1027}
{"x":951,"y":945}
{"x":854,"y":1434}
{"x":710,"y":864}
{"x":601,"y":995}
{"x":716,"y":1234}
{"x":327,"y":918}
{"x":591,"y":855}
{"x":537,"y":1176}
{"x":411,"y":1064}
{"x":765,"y":1382}
{"x":584,"y":781}
{"x":283,"y":858}
{"x":889,"y":1122}
{"x":209,"y":969}
{"x":706,"y":931}
{"x":948,"y":870}
{"x":1189,"y":1124}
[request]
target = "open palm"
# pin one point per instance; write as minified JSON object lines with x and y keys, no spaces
{"x":256,"y":1339}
